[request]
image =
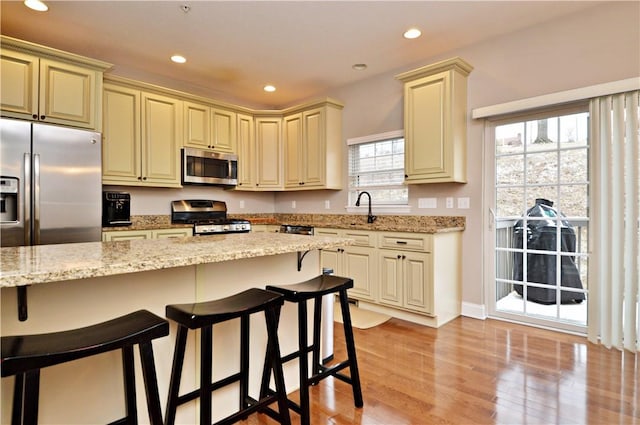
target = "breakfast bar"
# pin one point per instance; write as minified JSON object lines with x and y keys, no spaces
{"x":75,"y":285}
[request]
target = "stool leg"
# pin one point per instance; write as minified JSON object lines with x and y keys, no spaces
{"x":18,"y":398}
{"x":303,"y":345}
{"x":244,"y":362}
{"x":129,"y":385}
{"x":150,"y":383}
{"x":275,"y":360}
{"x":176,"y":374}
{"x":31,"y":397}
{"x":351,"y":349}
{"x":317,"y":326}
{"x":206,"y":372}
{"x":267,"y":367}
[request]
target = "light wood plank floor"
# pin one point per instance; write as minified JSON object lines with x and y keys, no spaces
{"x":478,"y":372}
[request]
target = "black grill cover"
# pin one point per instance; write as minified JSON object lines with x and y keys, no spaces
{"x":541,"y":268}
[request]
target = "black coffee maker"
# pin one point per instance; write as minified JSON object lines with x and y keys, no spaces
{"x":116,"y":209}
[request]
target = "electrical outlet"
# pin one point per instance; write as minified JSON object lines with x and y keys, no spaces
{"x":327,"y":204}
{"x":241,"y":204}
{"x":463,"y":203}
{"x":293,"y":205}
{"x":449,"y":202}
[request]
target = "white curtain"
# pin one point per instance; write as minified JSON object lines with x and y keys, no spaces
{"x":614,"y":289}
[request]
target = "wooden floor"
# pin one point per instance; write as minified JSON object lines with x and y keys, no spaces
{"x":478,"y":372}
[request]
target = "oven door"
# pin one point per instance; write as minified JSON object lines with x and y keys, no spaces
{"x":206,"y":167}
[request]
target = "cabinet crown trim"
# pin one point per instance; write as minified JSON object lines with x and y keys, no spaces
{"x":456,"y":63}
{"x":51,"y":53}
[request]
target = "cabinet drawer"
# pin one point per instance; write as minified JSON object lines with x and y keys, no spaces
{"x":361,"y":238}
{"x":406,"y":242}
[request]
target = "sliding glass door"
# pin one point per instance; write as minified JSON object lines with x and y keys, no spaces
{"x":537,"y":186}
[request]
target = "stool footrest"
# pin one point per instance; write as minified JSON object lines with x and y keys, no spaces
{"x":185,"y":398}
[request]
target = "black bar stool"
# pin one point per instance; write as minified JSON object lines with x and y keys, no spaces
{"x":24,"y":356}
{"x":203,"y":316}
{"x":299,"y":293}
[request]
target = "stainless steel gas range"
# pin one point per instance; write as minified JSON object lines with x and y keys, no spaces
{"x":208,"y":217}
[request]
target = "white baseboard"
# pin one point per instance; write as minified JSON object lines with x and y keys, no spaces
{"x":475,"y":311}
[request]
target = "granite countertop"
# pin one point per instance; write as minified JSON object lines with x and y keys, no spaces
{"x":384,"y":223}
{"x":50,"y":263}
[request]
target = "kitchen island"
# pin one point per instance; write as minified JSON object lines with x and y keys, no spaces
{"x":75,"y":285}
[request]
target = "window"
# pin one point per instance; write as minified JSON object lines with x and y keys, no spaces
{"x":376,"y":165}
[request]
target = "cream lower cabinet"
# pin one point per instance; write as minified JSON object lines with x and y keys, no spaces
{"x":404,"y":263}
{"x":38,"y":88}
{"x":435,"y":122}
{"x":412,"y":276}
{"x":355,"y":261}
{"x":127,"y":235}
{"x":405,"y":280}
{"x":265,"y":228}
{"x":141,"y":137}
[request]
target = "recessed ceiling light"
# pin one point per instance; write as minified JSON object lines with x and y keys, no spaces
{"x":359,"y":66}
{"x":412,"y":33}
{"x":36,"y":5}
{"x":269,"y":88}
{"x":178,"y":59}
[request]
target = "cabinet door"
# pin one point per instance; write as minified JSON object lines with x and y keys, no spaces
{"x":246,"y":152}
{"x":19,"y":85}
{"x":121,"y":148}
{"x":292,"y":151}
{"x":314,"y":153}
{"x":197,"y":125}
{"x":224,"y":130}
{"x":268,"y":153}
{"x":390,"y":266}
{"x":359,"y":263}
{"x":161,"y":130}
{"x":417,"y":286}
{"x":67,"y":94}
{"x":426,"y":121}
{"x":331,"y":258}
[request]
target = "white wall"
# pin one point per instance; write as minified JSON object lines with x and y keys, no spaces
{"x":601,"y":44}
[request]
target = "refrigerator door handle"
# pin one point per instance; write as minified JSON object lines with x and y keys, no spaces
{"x":36,"y":199}
{"x":26,"y":199}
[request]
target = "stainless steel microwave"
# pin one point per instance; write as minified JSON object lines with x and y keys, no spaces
{"x":207,"y":167}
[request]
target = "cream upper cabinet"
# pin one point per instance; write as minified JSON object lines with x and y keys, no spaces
{"x":224,"y":130}
{"x":141,"y":137}
{"x":292,"y":150}
{"x":313,"y":147}
{"x":246,"y":152}
{"x":42,"y":84}
{"x":206,"y":127}
{"x":268,"y":153}
{"x":197,"y":125}
{"x":435,"y":122}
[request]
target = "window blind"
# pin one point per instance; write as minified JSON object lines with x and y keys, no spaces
{"x":614,"y":316}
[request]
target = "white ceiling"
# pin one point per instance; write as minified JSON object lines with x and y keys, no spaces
{"x":234,"y":48}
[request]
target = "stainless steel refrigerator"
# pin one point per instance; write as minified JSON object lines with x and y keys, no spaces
{"x":50,"y":184}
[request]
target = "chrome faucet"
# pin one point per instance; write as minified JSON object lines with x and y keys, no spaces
{"x":370,"y":217}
